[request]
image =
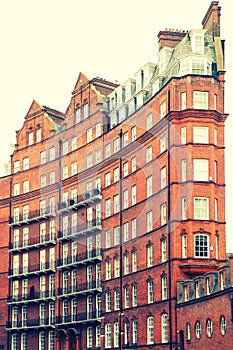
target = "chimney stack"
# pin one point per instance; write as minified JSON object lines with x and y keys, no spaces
{"x":211,"y":21}
{"x":170,"y":37}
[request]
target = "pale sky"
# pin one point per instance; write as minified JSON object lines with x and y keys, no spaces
{"x":46,"y":43}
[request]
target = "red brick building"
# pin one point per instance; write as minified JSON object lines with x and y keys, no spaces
{"x":109,"y":204}
{"x":205,"y":310}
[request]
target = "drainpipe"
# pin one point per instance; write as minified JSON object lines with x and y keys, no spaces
{"x":59,"y":215}
{"x":169,"y":228}
{"x":9,"y":260}
{"x":121,"y":258}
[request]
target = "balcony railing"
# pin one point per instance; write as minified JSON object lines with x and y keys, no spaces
{"x":93,"y":255}
{"x":81,"y":200}
{"x":81,"y":288}
{"x":31,"y":297}
{"x":32,"y":269}
{"x":90,"y":316}
{"x":30,"y":216}
{"x":32,"y":323}
{"x":32,"y":242}
{"x":82,"y":229}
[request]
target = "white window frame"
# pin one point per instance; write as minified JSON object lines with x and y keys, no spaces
{"x":149,"y":154}
{"x":183,"y":136}
{"x":200,"y":169}
{"x":150,"y":291}
{"x":163,"y":109}
{"x":201,"y":246}
{"x":149,"y":221}
{"x":125,"y":199}
{"x":25,"y":163}
{"x":133,"y":133}
{"x":163,"y":211}
{"x":200,"y":99}
{"x":183,"y":100}
{"x":108,"y":150}
{"x":164,"y":328}
{"x":183,"y":170}
{"x":108,"y":336}
{"x":89,"y":135}
{"x":149,"y":122}
{"x":163,"y":177}
{"x":134,"y":194}
{"x":163,"y":143}
{"x":198,"y":329}
{"x":201,"y":208}
{"x":52,"y":153}
{"x":149,"y":189}
{"x":184,"y":246}
{"x":183,"y":208}
{"x":201,"y":134}
{"x":150,"y":330}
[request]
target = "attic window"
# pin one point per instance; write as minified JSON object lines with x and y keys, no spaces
{"x":77,"y":115}
{"x":85,"y":111}
{"x":38,"y":135}
{"x":30,"y":138}
{"x":198,"y":43}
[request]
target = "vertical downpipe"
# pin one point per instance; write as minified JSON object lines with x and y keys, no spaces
{"x":9,"y":260}
{"x":121,"y":261}
{"x":169,"y":225}
{"x":59,"y":215}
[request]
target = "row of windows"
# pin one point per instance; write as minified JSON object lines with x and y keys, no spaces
{"x":200,"y":135}
{"x":27,"y":266}
{"x":81,"y":112}
{"x":200,"y":98}
{"x":45,"y":312}
{"x":22,"y":341}
{"x":131,"y":333}
{"x":208,"y":328}
{"x":199,"y":290}
{"x":45,"y":284}
{"x":130,"y":260}
{"x":200,"y":173}
{"x":130,"y":295}
{"x":200,"y":212}
{"x":196,"y":66}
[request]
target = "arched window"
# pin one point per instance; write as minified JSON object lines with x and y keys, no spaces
{"x":116,"y":334}
{"x":164,"y":286}
{"x":150,"y":330}
{"x":77,"y":115}
{"x":164,"y":328}
{"x":108,"y":335}
{"x":188,"y":331}
{"x":89,"y":337}
{"x":135,"y":331}
{"x":14,"y":341}
{"x":150,"y":290}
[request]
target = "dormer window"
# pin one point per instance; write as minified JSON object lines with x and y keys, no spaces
{"x":164,"y":57}
{"x":197,"y":41}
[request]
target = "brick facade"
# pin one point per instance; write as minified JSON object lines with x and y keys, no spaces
{"x":109,"y":204}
